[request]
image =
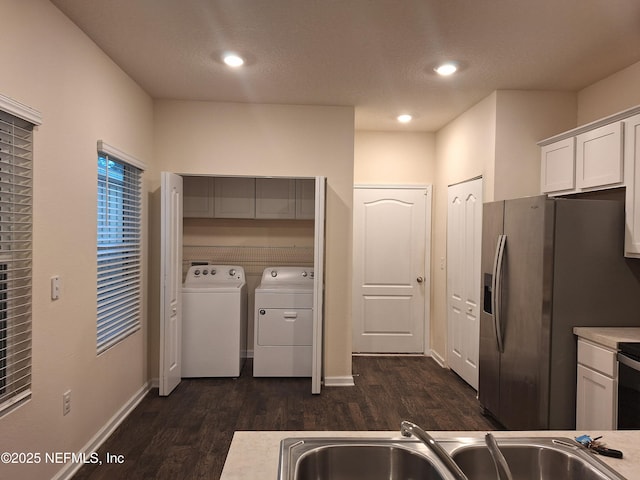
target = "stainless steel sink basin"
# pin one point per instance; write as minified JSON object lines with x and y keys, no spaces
{"x":529,"y":458}
{"x":356,"y":459}
{"x":534,"y":459}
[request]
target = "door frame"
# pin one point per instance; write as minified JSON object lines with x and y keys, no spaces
{"x":427,"y":255}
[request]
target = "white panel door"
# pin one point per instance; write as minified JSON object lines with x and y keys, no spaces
{"x":171,"y":282}
{"x":318,"y":284}
{"x":464,"y":241}
{"x":389,"y":275}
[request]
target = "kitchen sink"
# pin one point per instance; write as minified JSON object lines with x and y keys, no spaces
{"x":530,"y":458}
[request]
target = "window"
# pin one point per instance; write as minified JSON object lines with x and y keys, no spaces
{"x":16,"y":220}
{"x":119,"y":247}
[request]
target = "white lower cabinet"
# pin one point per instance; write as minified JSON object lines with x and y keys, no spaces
{"x":597,"y":388}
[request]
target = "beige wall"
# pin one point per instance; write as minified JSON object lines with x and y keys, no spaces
{"x":263,"y":140}
{"x":465,"y":149}
{"x":523,"y":118}
{"x":610,"y":95}
{"x":50,"y":65}
{"x":394,"y":158}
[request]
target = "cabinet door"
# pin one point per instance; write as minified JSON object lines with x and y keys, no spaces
{"x":599,"y":157}
{"x":275,"y":198}
{"x":558,"y":166}
{"x":596,"y":401}
{"x":632,"y":182}
{"x":305,"y":198}
{"x":235,"y":197}
{"x":198,"y":197}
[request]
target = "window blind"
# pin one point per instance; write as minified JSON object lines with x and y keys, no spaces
{"x":119,"y":250}
{"x":16,"y":219}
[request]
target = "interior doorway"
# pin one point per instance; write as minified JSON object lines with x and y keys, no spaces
{"x":391,"y":245}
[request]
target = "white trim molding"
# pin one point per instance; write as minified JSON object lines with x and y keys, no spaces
{"x":344,"y":381}
{"x":108,"y":149}
{"x":20,"y":110}
{"x":439,"y":359}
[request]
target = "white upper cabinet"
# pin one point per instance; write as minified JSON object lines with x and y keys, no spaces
{"x":558,"y":171}
{"x":235,"y":197}
{"x":198,"y":197}
{"x":599,"y":157}
{"x":632,"y":181}
{"x":275,"y":198}
{"x":607,"y":155}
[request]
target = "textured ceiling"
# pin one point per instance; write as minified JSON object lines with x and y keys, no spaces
{"x":376,"y":55}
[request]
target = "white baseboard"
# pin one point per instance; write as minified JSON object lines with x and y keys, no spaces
{"x":438,"y":358}
{"x":344,"y":381}
{"x":67,"y":472}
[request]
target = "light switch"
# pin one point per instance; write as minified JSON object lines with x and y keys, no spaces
{"x":55,"y":287}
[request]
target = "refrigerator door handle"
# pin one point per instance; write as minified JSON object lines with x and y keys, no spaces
{"x":496,"y":290}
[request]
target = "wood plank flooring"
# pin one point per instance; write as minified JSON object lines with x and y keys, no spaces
{"x":187,"y":435}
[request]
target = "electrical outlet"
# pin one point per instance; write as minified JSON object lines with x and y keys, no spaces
{"x":66,"y":402}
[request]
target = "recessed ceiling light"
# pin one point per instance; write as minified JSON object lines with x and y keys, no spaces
{"x":233,"y":60}
{"x":404,"y":118}
{"x":446,"y":69}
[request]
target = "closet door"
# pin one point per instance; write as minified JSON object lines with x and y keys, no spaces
{"x":171,"y":278}
{"x":318,"y":285}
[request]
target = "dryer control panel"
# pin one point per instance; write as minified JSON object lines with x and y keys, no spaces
{"x":274,"y":276}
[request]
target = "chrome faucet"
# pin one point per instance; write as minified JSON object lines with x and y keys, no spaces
{"x":408,"y":428}
{"x":500,"y":462}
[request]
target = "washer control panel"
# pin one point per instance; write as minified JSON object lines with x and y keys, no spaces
{"x":203,"y":275}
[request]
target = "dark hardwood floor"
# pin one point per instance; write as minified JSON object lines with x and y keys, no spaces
{"x":187,"y":435}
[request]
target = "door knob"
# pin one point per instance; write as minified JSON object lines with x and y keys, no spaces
{"x":420,"y":279}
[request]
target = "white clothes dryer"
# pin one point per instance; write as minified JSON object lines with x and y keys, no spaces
{"x":283,"y":323}
{"x":214,"y":321}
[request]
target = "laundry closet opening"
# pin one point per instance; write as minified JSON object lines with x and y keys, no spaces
{"x":240,"y":226}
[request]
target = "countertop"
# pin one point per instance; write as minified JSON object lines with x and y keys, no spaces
{"x":255,"y":454}
{"x":609,"y":336}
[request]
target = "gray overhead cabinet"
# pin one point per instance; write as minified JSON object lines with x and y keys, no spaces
{"x":248,"y":197}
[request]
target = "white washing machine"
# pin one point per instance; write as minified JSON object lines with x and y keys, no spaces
{"x":214,"y":321}
{"x":283,"y":323}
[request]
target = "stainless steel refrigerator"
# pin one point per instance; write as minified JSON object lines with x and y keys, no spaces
{"x":547,"y":265}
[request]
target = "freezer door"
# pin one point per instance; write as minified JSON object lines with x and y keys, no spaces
{"x":489,"y":355}
{"x":526,"y":304}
